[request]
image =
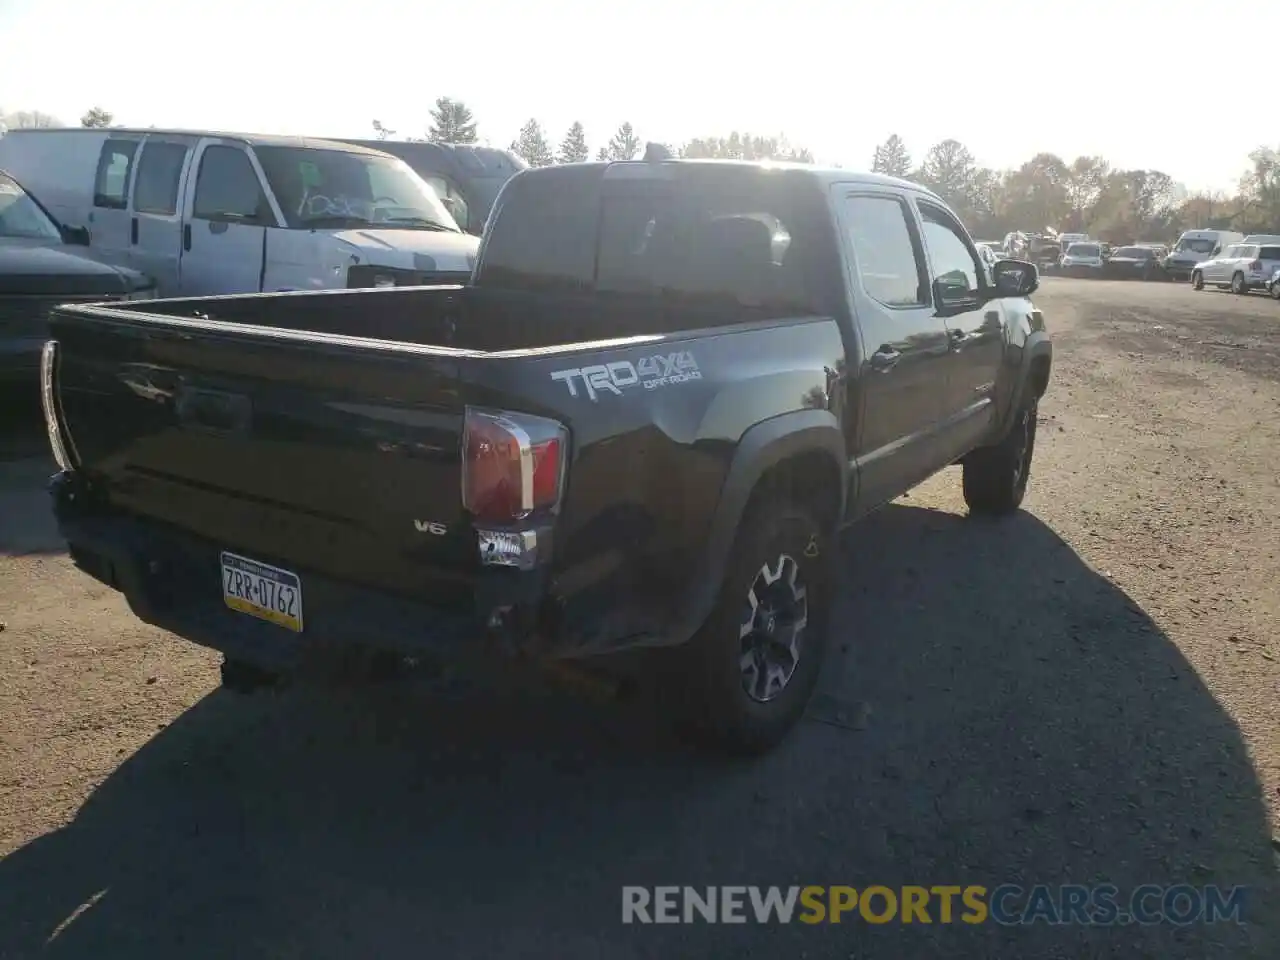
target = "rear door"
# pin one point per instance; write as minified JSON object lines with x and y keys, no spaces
{"x":156,"y":221}
{"x":904,"y":344}
{"x":224,"y":229}
{"x":109,"y":230}
{"x":975,"y":327}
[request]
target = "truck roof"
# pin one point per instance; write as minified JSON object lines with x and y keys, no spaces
{"x":823,"y":175}
{"x":253,"y":139}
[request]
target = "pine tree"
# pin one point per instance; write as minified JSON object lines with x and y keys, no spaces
{"x":451,"y":122}
{"x":531,"y":145}
{"x":573,"y":149}
{"x":625,"y":145}
{"x":891,"y":158}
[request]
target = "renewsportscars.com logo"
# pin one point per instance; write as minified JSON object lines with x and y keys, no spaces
{"x":1007,"y":904}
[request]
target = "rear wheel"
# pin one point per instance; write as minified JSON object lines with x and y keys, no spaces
{"x":995,"y":478}
{"x":1275,"y":289}
{"x":1197,"y":280}
{"x":754,"y":664}
{"x":1238,"y":285}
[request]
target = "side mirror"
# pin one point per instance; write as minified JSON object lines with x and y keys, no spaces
{"x":75,"y":236}
{"x":1015,"y":278}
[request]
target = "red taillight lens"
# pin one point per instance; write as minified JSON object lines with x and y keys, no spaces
{"x":512,"y":464}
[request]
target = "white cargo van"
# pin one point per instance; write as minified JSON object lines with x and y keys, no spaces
{"x":1195,"y":247}
{"x":213,"y":213}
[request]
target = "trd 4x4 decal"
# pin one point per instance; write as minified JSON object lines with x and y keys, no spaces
{"x":653,"y":372}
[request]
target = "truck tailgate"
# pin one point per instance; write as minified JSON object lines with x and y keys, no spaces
{"x":282,"y":449}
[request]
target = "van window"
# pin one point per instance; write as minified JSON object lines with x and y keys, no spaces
{"x":1195,"y":245}
{"x":111,"y":184}
{"x":227,"y":187}
{"x":445,"y":191}
{"x":1269,"y":253}
{"x":159,"y":175}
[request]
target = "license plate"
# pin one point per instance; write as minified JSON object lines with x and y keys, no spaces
{"x":262,"y":591}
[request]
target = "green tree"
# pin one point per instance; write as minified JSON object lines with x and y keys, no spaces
{"x":96,"y":117}
{"x":624,"y":145}
{"x":30,"y":120}
{"x":381,"y":131}
{"x":573,"y":148}
{"x":451,"y":122}
{"x":891,"y":158}
{"x":745,"y":146}
{"x":531,"y":145}
{"x":949,"y":170}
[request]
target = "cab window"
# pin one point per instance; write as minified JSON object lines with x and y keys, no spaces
{"x":951,"y":261}
{"x":457,"y":205}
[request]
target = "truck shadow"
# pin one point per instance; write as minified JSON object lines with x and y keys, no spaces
{"x":26,"y":520}
{"x":1012,"y":718}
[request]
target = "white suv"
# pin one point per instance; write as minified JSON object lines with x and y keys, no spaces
{"x":1241,"y":268}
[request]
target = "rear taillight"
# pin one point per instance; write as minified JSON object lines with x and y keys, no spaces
{"x":512,"y":464}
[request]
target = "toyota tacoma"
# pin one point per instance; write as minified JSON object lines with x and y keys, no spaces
{"x":666,"y":388}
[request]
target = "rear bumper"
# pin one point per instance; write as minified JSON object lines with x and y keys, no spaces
{"x":172,"y":580}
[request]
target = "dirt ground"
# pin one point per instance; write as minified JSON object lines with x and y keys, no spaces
{"x":1088,"y":692}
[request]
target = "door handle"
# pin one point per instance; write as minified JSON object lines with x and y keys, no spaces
{"x":133,"y":231}
{"x":886,"y":358}
{"x":186,"y":237}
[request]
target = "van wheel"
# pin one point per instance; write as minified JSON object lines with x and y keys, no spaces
{"x":1197,"y":280}
{"x":1237,"y":284}
{"x":995,"y":478}
{"x":753,"y":666}
{"x":1275,"y":289}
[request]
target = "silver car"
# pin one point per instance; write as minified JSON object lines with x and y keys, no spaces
{"x":1241,"y":268}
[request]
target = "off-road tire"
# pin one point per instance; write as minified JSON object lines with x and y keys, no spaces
{"x":240,"y":676}
{"x":1238,"y":285}
{"x":1197,"y":280}
{"x":773,"y":531}
{"x":995,"y":478}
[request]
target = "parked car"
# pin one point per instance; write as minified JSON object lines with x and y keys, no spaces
{"x":210,"y":213}
{"x":43,"y":264}
{"x":466,"y":176}
{"x":640,"y":426}
{"x":1196,"y":246}
{"x":1133,"y":263}
{"x":1241,"y":268}
{"x":1083,"y":259}
{"x":1161,"y":250}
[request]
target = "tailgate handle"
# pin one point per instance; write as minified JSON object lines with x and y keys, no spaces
{"x":213,"y":410}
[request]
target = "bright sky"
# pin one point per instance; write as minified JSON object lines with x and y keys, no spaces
{"x":1129,"y":81}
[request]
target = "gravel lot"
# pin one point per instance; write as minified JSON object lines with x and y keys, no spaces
{"x":1088,"y":692}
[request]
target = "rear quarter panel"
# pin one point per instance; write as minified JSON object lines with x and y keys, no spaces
{"x":655,"y":423}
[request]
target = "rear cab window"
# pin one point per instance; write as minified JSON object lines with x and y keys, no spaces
{"x":696,"y":241}
{"x":111,"y":182}
{"x":1270,"y":253}
{"x":888,"y":259}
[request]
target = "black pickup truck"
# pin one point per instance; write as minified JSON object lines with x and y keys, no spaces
{"x":666,"y":388}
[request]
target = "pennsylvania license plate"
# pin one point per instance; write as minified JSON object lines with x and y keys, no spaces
{"x":262,"y":591}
